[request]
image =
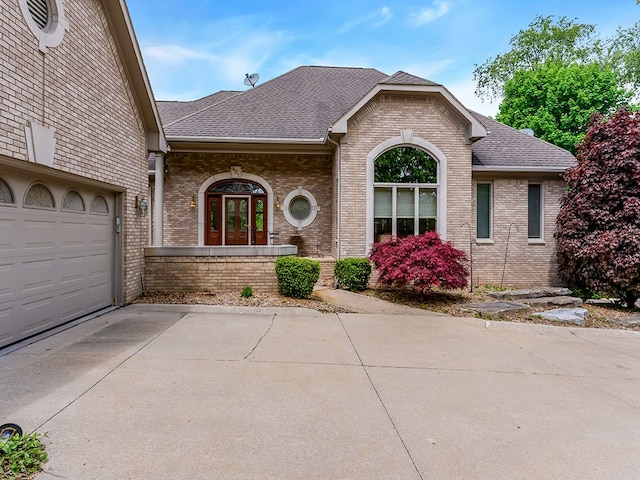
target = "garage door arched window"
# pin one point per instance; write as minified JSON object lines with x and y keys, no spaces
{"x":73,"y":202}
{"x":39,"y":196}
{"x":405,"y":193}
{"x":99,"y":205}
{"x":5,"y":193}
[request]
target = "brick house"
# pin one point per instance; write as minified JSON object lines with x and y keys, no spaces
{"x":77,"y":124}
{"x":324,"y":161}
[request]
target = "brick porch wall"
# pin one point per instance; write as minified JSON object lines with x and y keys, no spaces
{"x":220,"y":274}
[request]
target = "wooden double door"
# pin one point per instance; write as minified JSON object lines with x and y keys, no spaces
{"x":236,"y":219}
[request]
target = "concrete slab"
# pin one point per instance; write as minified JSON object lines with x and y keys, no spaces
{"x":193,"y":392}
{"x":437,"y":343}
{"x":480,"y":425}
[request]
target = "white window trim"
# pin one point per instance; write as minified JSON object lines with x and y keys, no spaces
{"x":53,"y":34}
{"x":305,"y":222}
{"x":407,"y":139}
{"x":489,"y":239}
{"x":536,"y":240}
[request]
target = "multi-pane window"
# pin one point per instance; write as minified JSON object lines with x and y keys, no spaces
{"x":405,"y":193}
{"x":483,"y":210}
{"x":535,"y":211}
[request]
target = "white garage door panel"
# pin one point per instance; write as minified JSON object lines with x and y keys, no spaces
{"x":55,"y":265}
{"x":7,"y":236}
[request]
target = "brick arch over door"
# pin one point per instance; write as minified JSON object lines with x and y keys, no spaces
{"x":231,"y":176}
{"x":407,"y":139}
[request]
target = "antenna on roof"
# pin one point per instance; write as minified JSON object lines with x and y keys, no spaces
{"x":251,"y":80}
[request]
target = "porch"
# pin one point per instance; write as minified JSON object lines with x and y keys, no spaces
{"x":221,"y":269}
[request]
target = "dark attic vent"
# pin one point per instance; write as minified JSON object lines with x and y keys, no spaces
{"x":39,"y":10}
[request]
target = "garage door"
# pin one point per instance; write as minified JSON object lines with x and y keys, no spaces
{"x":56,"y":253}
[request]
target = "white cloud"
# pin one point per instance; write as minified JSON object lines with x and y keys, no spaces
{"x":426,"y":15}
{"x":376,"y":19}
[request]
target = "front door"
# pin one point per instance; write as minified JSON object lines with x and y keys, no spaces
{"x":237,"y":220}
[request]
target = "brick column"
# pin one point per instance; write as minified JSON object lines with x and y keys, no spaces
{"x":158,"y":222}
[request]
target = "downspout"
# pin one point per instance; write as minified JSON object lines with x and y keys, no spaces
{"x":339,"y":183}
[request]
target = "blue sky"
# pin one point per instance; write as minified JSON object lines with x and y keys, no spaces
{"x":193,"y":48}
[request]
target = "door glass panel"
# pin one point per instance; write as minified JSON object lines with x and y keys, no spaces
{"x":244,"y":214}
{"x":259,"y":216}
{"x":214,"y":215}
{"x":231,"y":215}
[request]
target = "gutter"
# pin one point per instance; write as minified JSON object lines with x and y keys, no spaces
{"x":484,"y":168}
{"x":252,"y":140}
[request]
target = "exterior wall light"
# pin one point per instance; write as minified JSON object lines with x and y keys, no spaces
{"x":141,"y":206}
{"x":278,"y":203}
{"x":193,"y":203}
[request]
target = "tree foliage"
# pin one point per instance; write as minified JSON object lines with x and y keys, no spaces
{"x":562,"y":41}
{"x":546,"y":40}
{"x":421,"y":262}
{"x":405,"y":165}
{"x":556,"y":101}
{"x":598,"y":227}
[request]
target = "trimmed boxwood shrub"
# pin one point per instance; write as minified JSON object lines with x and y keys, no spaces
{"x":297,"y":276}
{"x":352,"y":273}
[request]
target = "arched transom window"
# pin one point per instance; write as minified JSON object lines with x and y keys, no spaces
{"x":405,"y":193}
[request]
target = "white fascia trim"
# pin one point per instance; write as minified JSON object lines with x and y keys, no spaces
{"x":476,"y":130}
{"x":482,"y":168}
{"x":287,"y":141}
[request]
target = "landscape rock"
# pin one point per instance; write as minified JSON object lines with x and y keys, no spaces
{"x":632,"y":321}
{"x":572,"y":315}
{"x":561,"y":301}
{"x":495,"y":308}
{"x":529,"y":293}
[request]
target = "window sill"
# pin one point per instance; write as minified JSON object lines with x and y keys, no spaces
{"x":536,"y":241}
{"x":484,"y":241}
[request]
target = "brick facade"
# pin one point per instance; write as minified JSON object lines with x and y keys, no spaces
{"x":528,"y":264}
{"x":340,"y":230}
{"x":81,"y":90}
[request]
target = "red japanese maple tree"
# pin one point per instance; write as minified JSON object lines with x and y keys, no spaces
{"x":420,"y":261}
{"x":598,"y":227}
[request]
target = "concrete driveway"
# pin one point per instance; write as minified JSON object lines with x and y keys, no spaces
{"x":195,"y":392}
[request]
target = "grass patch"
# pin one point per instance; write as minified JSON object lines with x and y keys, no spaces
{"x":22,"y":456}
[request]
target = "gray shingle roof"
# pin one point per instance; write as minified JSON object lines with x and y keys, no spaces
{"x":171,"y":111}
{"x":404,"y":78}
{"x":300,"y":104}
{"x":507,"y":147}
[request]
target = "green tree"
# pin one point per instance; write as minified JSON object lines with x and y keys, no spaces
{"x":557,"y":101}
{"x":405,"y":165}
{"x":546,"y":40}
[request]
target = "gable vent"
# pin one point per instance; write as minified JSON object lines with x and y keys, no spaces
{"x":39,"y":10}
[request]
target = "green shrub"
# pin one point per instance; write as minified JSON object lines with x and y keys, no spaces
{"x":353,"y":273}
{"x":21,"y":456}
{"x":297,"y":276}
{"x":247,"y":292}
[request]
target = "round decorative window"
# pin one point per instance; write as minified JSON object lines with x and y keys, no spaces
{"x":46,"y":21}
{"x":300,"y":208}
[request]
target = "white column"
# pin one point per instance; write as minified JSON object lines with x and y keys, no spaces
{"x":158,"y":222}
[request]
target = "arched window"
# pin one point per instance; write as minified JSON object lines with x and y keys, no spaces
{"x":5,"y":193}
{"x":405,"y":193}
{"x":99,"y":205}
{"x":39,"y":196}
{"x":73,"y":202}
